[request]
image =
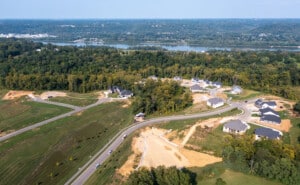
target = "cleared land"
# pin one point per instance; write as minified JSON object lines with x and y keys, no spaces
{"x":11,"y":95}
{"x":54,"y":152}
{"x":157,"y":150}
{"x":19,"y":113}
{"x":76,"y":99}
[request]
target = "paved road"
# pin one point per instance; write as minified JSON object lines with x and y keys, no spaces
{"x":37,"y":99}
{"x":76,"y":110}
{"x":90,"y":167}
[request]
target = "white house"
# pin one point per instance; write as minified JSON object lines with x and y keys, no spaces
{"x":177,"y":78}
{"x":217,"y":84}
{"x":236,"y":127}
{"x":236,"y":90}
{"x":215,"y":102}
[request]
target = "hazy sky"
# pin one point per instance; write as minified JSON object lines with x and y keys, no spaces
{"x":68,"y":9}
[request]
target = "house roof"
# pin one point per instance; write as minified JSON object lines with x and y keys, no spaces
{"x":217,"y":83}
{"x":270,"y":103}
{"x":265,"y":110}
{"x":267,"y":132}
{"x":258,"y":102}
{"x":196,"y":87}
{"x":140,"y":114}
{"x":126,"y":93}
{"x":235,"y":87}
{"x":271,"y":118}
{"x":195,"y":79}
{"x":214,"y":101}
{"x":236,"y":125}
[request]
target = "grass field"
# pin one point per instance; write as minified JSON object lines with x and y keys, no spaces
{"x":16,"y":114}
{"x":246,"y":94}
{"x":106,"y":174}
{"x":77,"y":99}
{"x":54,"y":152}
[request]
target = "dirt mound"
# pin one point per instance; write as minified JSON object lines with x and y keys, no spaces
{"x":16,"y":94}
{"x":50,"y":94}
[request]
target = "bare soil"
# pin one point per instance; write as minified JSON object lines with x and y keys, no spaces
{"x":284,"y":126}
{"x":48,"y":94}
{"x":16,"y":94}
{"x":157,"y":150}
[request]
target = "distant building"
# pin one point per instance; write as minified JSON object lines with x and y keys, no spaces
{"x":270,"y":119}
{"x":270,"y":104}
{"x":195,"y":80}
{"x":215,"y":102}
{"x":268,"y":111}
{"x":236,"y":90}
{"x":258,"y":103}
{"x":196,"y":88}
{"x":177,"y":78}
{"x":139,"y":117}
{"x":126,"y":94}
{"x":267,"y":133}
{"x":236,"y":127}
{"x":153,"y":77}
{"x":216,"y":84}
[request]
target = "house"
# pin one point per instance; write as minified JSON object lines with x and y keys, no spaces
{"x":270,"y":119}
{"x":195,"y":80}
{"x":139,"y":117}
{"x":267,"y":133}
{"x":217,"y":84}
{"x":126,"y":94}
{"x":177,"y":78}
{"x":236,"y":90}
{"x":196,"y":88}
{"x":215,"y":102}
{"x":153,"y":77}
{"x":116,"y":89}
{"x":270,"y":104}
{"x":236,"y":127}
{"x":258,"y":103}
{"x":268,"y":111}
{"x":206,"y":83}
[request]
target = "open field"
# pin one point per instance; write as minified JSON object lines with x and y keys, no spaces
{"x":295,"y":131}
{"x":19,"y":113}
{"x":77,"y":99}
{"x":53,"y":153}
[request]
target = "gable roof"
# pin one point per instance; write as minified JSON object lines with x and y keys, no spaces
{"x":270,"y":103}
{"x":237,"y":125}
{"x":236,"y":87}
{"x":271,"y":118}
{"x":258,"y":102}
{"x":267,"y":132}
{"x":126,"y":93}
{"x":214,"y":101}
{"x":217,"y":83}
{"x":196,"y":87}
{"x":268,"y":109}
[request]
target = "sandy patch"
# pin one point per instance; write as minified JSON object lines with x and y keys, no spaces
{"x":6,"y":132}
{"x":16,"y":94}
{"x":157,"y":150}
{"x":127,"y":103}
{"x":199,"y":98}
{"x":48,"y":94}
{"x":101,"y":94}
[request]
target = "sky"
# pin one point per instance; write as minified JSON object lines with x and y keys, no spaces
{"x":154,"y":9}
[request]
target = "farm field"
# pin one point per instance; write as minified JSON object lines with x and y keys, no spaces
{"x":19,"y":113}
{"x":53,"y":153}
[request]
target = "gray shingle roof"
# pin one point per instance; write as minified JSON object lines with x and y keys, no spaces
{"x":215,"y":101}
{"x":271,"y":118}
{"x":265,"y":110}
{"x":126,"y":93}
{"x":237,"y":125}
{"x":196,"y":88}
{"x":267,"y":132}
{"x":270,"y":103}
{"x":258,"y":102}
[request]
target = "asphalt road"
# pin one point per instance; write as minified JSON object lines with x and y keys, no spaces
{"x":76,"y":110}
{"x":89,"y":168}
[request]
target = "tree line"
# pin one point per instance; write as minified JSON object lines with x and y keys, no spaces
{"x":34,"y":66}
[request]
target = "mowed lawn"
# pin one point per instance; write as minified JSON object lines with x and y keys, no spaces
{"x":77,"y":99}
{"x":237,"y":178}
{"x":16,"y":114}
{"x":54,"y":152}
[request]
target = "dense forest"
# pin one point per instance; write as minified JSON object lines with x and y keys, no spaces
{"x":34,"y":66}
{"x":271,"y":159}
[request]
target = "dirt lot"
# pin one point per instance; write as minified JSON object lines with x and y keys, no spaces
{"x":48,"y":94}
{"x":156,"y":150}
{"x":16,"y":94}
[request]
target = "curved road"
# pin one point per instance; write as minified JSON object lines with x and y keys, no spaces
{"x":76,"y":110}
{"x":89,"y":168}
